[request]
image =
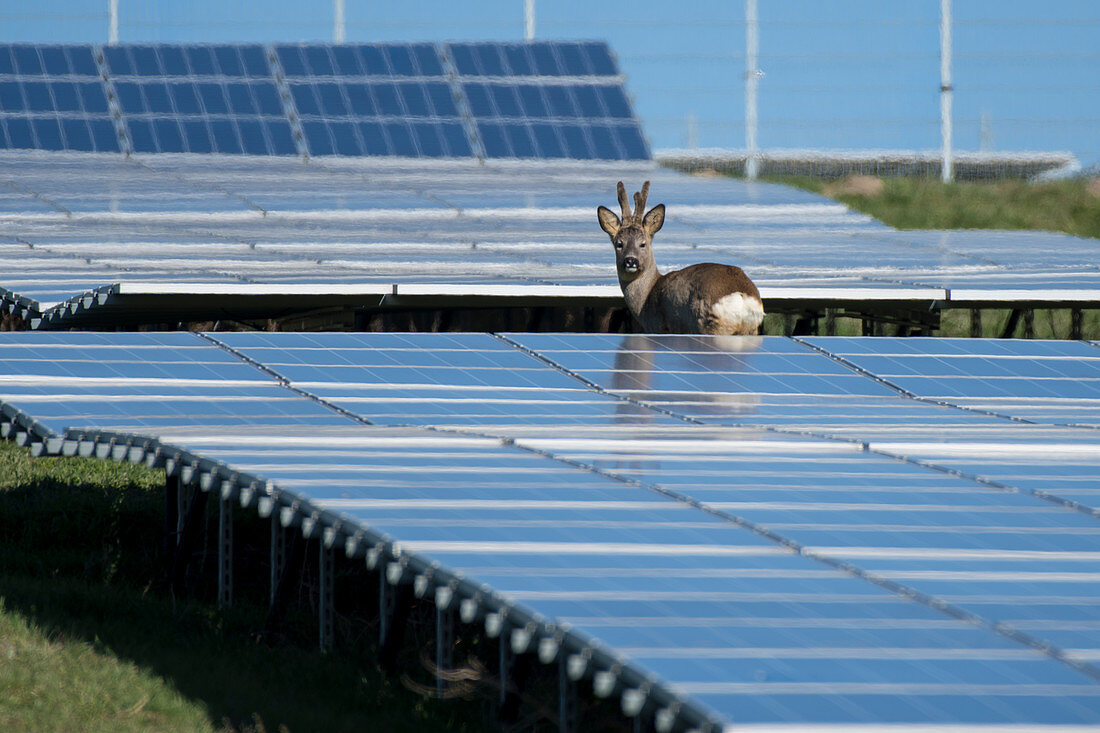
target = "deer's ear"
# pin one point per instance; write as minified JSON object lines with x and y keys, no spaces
{"x":654,"y":220}
{"x":609,"y":222}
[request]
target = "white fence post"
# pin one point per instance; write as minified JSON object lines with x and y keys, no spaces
{"x":529,"y":20}
{"x":946,"y":90}
{"x":339,"y":29}
{"x":112,"y":29}
{"x":752,"y":76}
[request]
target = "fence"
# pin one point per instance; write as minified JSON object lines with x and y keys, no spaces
{"x":847,"y":75}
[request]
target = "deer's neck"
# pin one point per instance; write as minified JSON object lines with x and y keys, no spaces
{"x":636,"y":291}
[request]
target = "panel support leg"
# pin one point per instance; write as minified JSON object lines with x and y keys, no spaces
{"x":225,"y":552}
{"x":190,"y":515}
{"x":568,"y":700}
{"x":505,"y":666}
{"x":444,"y":646}
{"x":171,"y":521}
{"x":286,"y":566}
{"x":1011,"y":322}
{"x":278,"y":558}
{"x":1029,"y":324}
{"x":514,"y":671}
{"x":975,"y":323}
{"x":1076,"y":324}
{"x":395,"y":625}
{"x":325,"y":591}
{"x":386,"y":600}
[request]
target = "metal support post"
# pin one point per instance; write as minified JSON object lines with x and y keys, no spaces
{"x":752,"y":79}
{"x":191,"y":513}
{"x":514,"y":671}
{"x":326,"y":586}
{"x":444,"y":645}
{"x":385,"y":605}
{"x":568,"y":700}
{"x":225,"y":552}
{"x":830,"y":322}
{"x":339,"y":27}
{"x":395,"y":624}
{"x":278,"y":556}
{"x":529,"y":20}
{"x":1029,"y":324}
{"x":975,"y":323}
{"x":112,"y":28}
{"x":171,"y":520}
{"x":1076,"y":324}
{"x":946,"y":92}
{"x":506,"y":665}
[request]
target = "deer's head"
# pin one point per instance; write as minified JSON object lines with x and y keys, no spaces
{"x":633,"y":234}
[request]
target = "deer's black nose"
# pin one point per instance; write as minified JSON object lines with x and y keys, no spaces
{"x":630,"y":263}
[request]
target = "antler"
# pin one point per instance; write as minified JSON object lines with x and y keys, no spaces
{"x":639,"y":201}
{"x":624,"y":203}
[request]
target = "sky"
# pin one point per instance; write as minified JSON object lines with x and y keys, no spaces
{"x":836,"y":74}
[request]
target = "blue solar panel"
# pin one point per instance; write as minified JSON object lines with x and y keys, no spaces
{"x":538,"y":100}
{"x":358,"y":100}
{"x":526,"y":117}
{"x":200,"y":99}
{"x":765,"y":577}
{"x":51,"y":98}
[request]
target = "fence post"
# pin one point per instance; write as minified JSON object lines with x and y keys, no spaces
{"x":752,"y":78}
{"x":112,"y":28}
{"x":946,"y":90}
{"x":339,"y":27}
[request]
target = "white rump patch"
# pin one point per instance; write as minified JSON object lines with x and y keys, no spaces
{"x":739,"y":313}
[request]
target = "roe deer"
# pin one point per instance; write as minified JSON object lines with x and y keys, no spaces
{"x":704,"y":298}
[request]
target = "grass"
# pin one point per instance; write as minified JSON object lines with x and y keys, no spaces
{"x":923,"y":203}
{"x":1071,"y":206}
{"x":90,"y":639}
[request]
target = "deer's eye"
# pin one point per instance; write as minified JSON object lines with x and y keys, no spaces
{"x":641,"y":245}
{"x":619,"y":244}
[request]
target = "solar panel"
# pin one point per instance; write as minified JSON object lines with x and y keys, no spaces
{"x":457,"y":226}
{"x":199,"y":99}
{"x":52,"y":98}
{"x":547,"y":100}
{"x":1044,"y":381}
{"x":385,"y":99}
{"x":766,"y":576}
{"x":144,"y":383}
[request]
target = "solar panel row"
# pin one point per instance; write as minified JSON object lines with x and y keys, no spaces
{"x":51,"y":98}
{"x":684,"y":503}
{"x":544,"y":100}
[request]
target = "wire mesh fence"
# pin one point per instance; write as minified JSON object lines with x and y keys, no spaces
{"x":844,"y":86}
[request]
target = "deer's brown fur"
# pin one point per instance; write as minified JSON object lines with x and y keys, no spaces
{"x":705,"y":298}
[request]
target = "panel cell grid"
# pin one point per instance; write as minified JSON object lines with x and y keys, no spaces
{"x":52,"y":98}
{"x":548,"y":100}
{"x":200,"y":99}
{"x":384,"y":99}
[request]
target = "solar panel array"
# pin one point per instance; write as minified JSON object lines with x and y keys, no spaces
{"x":850,"y":532}
{"x":521,"y":100}
{"x":91,"y":239}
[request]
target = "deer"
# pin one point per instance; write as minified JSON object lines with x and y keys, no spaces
{"x":707,"y":298}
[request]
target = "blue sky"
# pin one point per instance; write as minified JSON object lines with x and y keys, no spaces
{"x":842,"y":74}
